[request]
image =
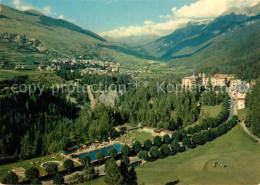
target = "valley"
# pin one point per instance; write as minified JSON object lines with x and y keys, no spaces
{"x":174,"y":100}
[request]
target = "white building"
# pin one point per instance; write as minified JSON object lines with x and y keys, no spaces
{"x":241,"y":100}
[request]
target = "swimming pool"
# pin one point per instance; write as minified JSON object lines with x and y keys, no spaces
{"x":105,"y":150}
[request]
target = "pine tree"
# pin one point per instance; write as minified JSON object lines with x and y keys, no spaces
{"x":113,"y":174}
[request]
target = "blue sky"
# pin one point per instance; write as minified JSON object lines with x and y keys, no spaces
{"x":113,"y":17}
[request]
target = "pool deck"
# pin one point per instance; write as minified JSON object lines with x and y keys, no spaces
{"x":90,"y":149}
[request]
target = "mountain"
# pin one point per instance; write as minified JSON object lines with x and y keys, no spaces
{"x":133,"y":40}
{"x":229,"y":43}
{"x":29,"y":37}
{"x":195,"y":37}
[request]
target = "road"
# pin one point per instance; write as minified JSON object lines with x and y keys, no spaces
{"x":233,"y":111}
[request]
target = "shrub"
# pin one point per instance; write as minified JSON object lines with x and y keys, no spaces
{"x":175,"y":145}
{"x":112,"y":152}
{"x":143,"y":154}
{"x":125,"y":159}
{"x":183,"y":133}
{"x":32,"y":173}
{"x":137,"y":146}
{"x":126,"y":150}
{"x":186,"y":141}
{"x":51,"y":169}
{"x":10,"y":178}
{"x":165,"y":150}
{"x":154,"y":152}
{"x":191,"y":130}
{"x":85,"y":160}
{"x":100,"y":156}
{"x":157,"y":141}
{"x":58,"y":179}
{"x":197,"y":128}
{"x":147,"y":144}
{"x":204,"y":126}
{"x":177,"y":136}
{"x":36,"y":181}
{"x":68,"y":165}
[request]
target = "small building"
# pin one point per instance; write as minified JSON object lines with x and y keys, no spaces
{"x":241,"y":100}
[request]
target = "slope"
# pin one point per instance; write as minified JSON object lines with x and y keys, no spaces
{"x":59,"y":37}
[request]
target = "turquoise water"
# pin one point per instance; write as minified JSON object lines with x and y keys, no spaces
{"x":92,"y":154}
{"x":48,"y":163}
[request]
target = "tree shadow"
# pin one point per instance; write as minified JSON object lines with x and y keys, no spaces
{"x":172,"y":183}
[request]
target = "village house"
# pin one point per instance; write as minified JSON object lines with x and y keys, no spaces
{"x":188,"y":82}
{"x":241,"y":100}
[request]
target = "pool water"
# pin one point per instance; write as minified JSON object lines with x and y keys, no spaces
{"x":105,"y":150}
{"x":48,"y":163}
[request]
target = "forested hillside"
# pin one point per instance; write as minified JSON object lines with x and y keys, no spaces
{"x":168,"y":109}
{"x":253,"y":104}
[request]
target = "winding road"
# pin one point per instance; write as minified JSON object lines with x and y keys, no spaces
{"x":233,"y":111}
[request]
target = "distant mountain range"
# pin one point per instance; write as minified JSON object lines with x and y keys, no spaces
{"x":229,"y":43}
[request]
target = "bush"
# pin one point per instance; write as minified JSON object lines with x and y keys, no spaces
{"x":143,"y":154}
{"x":197,"y":128}
{"x":32,"y":173}
{"x":196,"y":138}
{"x":51,"y":169}
{"x":126,"y":150}
{"x":191,"y":130}
{"x":154,"y":152}
{"x":125,"y":159}
{"x":10,"y":178}
{"x":175,"y":145}
{"x":147,"y":144}
{"x":206,"y":135}
{"x":204,"y":126}
{"x":112,"y":152}
{"x":157,"y":141}
{"x":166,"y":139}
{"x":85,"y":160}
{"x":177,"y":136}
{"x":165,"y":150}
{"x":137,"y":146}
{"x":100,"y":156}
{"x":186,"y":141}
{"x":183,"y":133}
{"x":68,"y":165}
{"x":36,"y":181}
{"x":58,"y":179}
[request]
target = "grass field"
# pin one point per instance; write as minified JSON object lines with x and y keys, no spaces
{"x":196,"y":166}
{"x":207,"y":112}
{"x":242,"y":112}
{"x":139,"y":136}
{"x":26,"y":164}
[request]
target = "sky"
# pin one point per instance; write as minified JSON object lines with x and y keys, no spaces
{"x":122,"y":18}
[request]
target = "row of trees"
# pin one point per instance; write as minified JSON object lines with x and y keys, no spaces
{"x":164,"y":147}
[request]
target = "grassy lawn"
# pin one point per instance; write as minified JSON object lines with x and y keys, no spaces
{"x":196,"y":166}
{"x":242,"y":112}
{"x":235,"y":149}
{"x":211,"y":111}
{"x":207,"y":112}
{"x":26,"y":164}
{"x":138,"y":134}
